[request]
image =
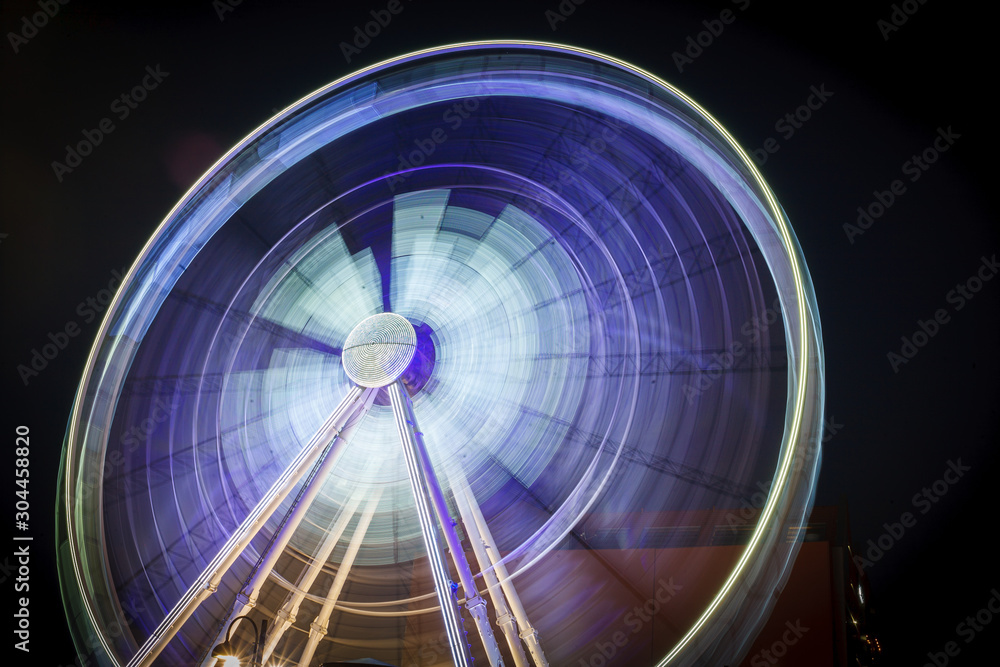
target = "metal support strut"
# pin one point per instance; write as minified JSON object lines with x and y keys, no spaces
{"x":528,"y":633}
{"x":208,"y":582}
{"x":247,"y":598}
{"x":479,"y":547}
{"x":427,"y":491}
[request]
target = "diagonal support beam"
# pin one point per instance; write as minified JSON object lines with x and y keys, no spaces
{"x":318,"y":628}
{"x":528,"y":633}
{"x":479,"y":546}
{"x":208,"y":582}
{"x":285,"y":617}
{"x":247,"y":598}
{"x":413,"y":444}
{"x":405,"y":424}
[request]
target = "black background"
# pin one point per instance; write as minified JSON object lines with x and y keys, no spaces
{"x":895,"y":431}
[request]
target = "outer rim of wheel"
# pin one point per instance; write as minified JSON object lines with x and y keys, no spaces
{"x":809,"y":356}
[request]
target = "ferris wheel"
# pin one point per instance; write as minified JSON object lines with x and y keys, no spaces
{"x":432,"y":367}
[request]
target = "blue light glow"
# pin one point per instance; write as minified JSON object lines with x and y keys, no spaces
{"x":614,"y":325}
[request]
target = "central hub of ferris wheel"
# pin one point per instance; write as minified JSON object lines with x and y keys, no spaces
{"x":379,"y":349}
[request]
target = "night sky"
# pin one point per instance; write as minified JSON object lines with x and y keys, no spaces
{"x":881,"y":93}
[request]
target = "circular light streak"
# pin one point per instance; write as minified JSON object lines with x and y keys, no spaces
{"x":578,"y":268}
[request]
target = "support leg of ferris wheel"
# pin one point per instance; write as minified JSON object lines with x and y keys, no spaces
{"x":285,"y":616}
{"x":247,"y":598}
{"x":429,"y":496}
{"x":208,"y":582}
{"x":528,"y":633}
{"x":318,"y":628}
{"x":479,"y":546}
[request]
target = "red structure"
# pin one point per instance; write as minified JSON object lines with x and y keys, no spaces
{"x":659,"y":590}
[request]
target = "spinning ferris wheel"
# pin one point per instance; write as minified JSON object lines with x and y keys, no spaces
{"x":424,"y":370}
